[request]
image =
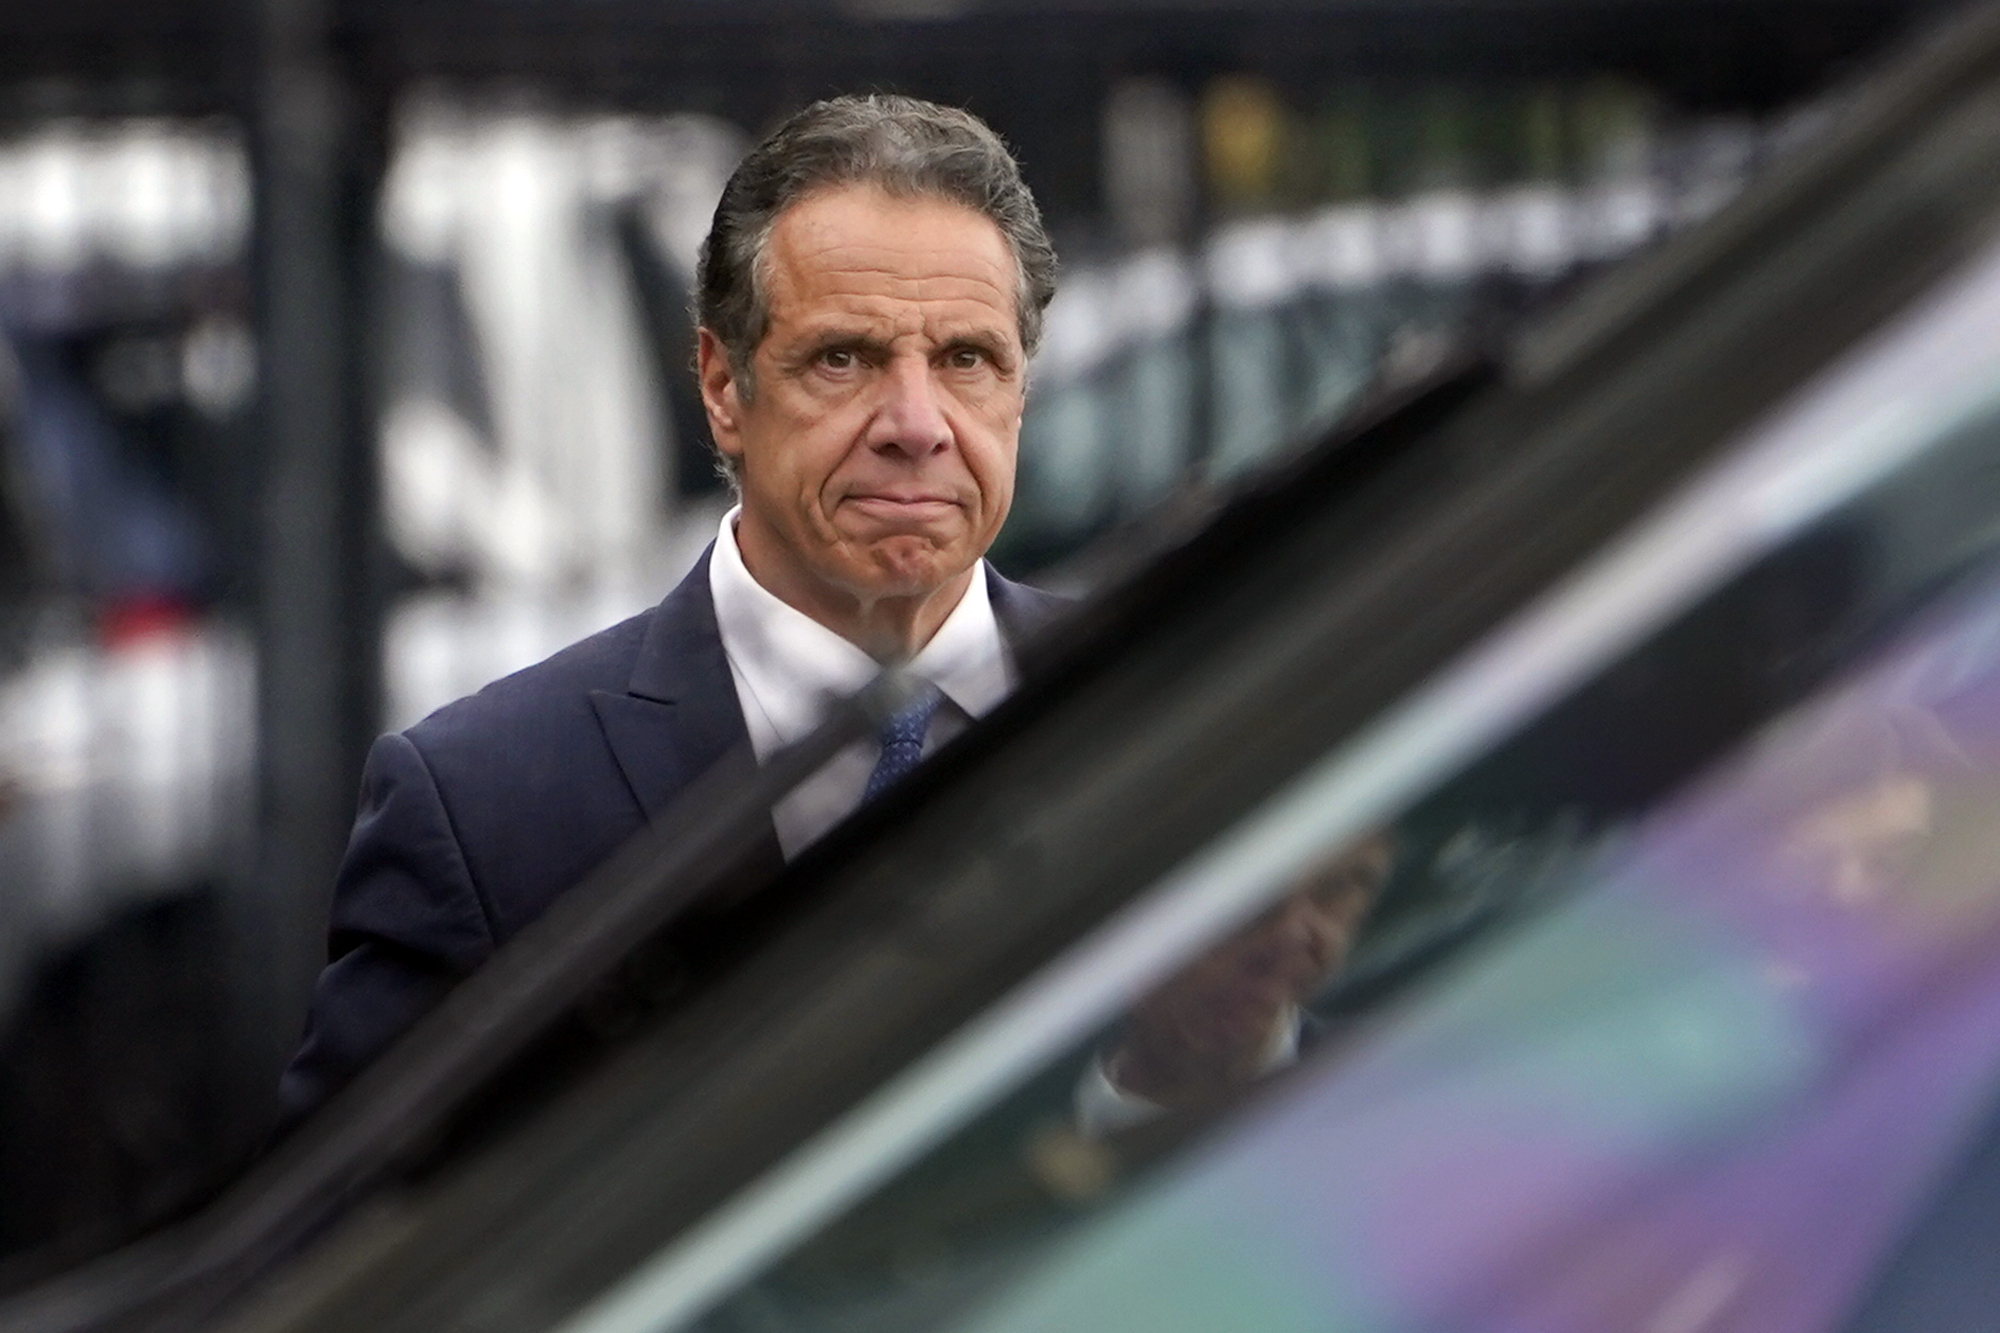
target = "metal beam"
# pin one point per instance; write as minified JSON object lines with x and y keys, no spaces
{"x":317,"y":150}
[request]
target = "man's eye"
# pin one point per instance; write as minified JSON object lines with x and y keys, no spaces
{"x":837,"y":358}
{"x":966,"y":358}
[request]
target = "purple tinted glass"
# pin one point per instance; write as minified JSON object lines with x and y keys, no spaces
{"x":1707,"y":1095}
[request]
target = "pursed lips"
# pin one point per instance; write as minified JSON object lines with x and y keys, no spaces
{"x":909,"y":503}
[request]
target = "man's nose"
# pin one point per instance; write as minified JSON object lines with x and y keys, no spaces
{"x":911,"y":418}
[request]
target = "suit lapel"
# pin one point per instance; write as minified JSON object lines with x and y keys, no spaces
{"x":679,"y":716}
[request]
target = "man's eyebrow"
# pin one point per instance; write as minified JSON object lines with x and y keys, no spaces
{"x":852,"y":340}
{"x":977,"y":334}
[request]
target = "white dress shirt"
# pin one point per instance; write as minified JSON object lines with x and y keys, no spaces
{"x":790,"y":671}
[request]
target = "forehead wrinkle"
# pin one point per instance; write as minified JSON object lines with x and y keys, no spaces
{"x":940,"y":316}
{"x":938,"y":302}
{"x":853,"y":280}
{"x":937,"y":279}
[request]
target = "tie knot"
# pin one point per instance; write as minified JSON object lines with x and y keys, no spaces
{"x":910,"y":722}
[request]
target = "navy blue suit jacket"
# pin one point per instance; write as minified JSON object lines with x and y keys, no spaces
{"x":475,"y":819}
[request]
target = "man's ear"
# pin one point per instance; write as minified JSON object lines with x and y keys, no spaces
{"x":720,"y":397}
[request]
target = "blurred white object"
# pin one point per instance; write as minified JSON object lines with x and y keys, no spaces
{"x":128,"y":776}
{"x":143,"y":193}
{"x":520,"y":207}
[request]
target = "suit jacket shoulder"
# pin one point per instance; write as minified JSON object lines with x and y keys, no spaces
{"x":474,"y":820}
{"x":544,"y":773}
{"x":530,"y":744}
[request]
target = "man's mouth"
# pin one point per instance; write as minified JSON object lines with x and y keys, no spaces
{"x":906,"y":506}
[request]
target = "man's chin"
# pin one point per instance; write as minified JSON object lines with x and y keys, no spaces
{"x":909,"y":566}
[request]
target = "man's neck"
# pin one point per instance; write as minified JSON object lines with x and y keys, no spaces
{"x":891,"y":630}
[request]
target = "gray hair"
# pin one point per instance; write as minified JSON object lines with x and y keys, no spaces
{"x":906,"y":147}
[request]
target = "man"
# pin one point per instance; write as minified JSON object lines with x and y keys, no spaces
{"x":870,"y":293}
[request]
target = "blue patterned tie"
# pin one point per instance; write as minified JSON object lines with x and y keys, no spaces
{"x":902,"y":737}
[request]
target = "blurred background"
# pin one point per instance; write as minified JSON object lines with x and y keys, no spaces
{"x":345,"y":366}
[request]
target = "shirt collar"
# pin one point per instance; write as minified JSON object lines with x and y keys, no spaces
{"x":795,"y":668}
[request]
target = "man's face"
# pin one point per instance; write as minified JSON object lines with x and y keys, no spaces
{"x":876,"y":446}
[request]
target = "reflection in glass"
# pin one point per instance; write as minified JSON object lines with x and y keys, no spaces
{"x":1722,"y":1078}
